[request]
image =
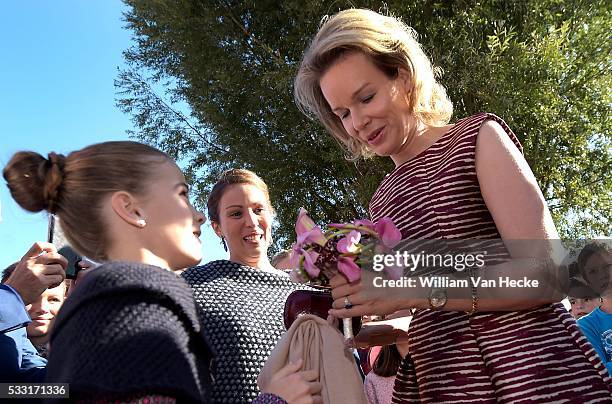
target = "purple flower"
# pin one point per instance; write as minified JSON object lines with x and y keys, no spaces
{"x":365,"y":223}
{"x":294,"y":257}
{"x":388,"y":233}
{"x":310,"y":257}
{"x":307,"y":231}
{"x":348,"y":244}
{"x":348,"y":268}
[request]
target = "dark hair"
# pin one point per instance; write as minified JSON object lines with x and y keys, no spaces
{"x":8,"y":271}
{"x":74,"y":187}
{"x":232,"y":177}
{"x":387,"y":362}
{"x":592,"y":248}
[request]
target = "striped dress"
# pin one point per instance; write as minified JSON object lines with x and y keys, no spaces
{"x":537,"y":356}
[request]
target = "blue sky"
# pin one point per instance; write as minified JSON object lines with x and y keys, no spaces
{"x":59,"y":61}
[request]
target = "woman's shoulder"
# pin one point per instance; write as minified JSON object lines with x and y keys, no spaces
{"x":219,"y":269}
{"x":115,"y":282}
{"x":486,"y":123}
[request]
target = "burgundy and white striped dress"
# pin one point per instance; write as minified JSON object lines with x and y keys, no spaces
{"x":536,"y":356}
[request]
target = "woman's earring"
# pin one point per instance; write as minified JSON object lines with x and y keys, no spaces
{"x":141,"y":223}
{"x":223,"y":243}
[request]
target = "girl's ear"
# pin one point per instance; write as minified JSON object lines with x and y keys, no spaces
{"x":217,"y":229}
{"x":125,"y":206}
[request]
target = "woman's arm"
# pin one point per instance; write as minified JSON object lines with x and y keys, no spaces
{"x":519,"y":211}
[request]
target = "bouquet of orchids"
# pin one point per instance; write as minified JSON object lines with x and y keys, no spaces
{"x":344,"y":248}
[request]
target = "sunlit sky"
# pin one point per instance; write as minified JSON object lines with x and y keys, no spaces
{"x":59,"y":62}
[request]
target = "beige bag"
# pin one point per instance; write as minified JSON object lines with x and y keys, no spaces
{"x":321,"y":347}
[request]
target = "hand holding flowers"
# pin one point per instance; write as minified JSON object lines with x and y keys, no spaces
{"x":340,"y":253}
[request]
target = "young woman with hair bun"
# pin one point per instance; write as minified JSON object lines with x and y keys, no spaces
{"x":130,"y":331}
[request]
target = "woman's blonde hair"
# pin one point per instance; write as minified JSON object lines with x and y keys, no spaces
{"x":391,"y":45}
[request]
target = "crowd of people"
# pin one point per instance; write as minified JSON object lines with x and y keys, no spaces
{"x":134,"y":330}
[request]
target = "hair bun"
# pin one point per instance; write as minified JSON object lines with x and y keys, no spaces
{"x":53,"y":180}
{"x":34,"y":182}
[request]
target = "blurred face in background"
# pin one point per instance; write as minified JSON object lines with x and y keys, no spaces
{"x":43,"y":312}
{"x":598,"y":272}
{"x":582,"y":307}
{"x":245,"y":221}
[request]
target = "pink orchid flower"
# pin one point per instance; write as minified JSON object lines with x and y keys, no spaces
{"x":365,"y":223}
{"x":310,"y":257}
{"x":306,"y":230}
{"x":294,"y":257}
{"x":389,"y":234}
{"x":348,"y":268}
{"x":348,"y":244}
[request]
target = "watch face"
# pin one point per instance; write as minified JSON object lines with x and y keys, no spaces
{"x":437,"y":298}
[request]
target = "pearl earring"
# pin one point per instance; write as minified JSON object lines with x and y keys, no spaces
{"x":141,"y":223}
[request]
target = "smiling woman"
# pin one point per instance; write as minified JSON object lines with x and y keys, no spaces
{"x":241,"y":300}
{"x":43,"y":312}
{"x":130,"y":330}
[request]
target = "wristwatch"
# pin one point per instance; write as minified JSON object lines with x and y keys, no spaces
{"x":437,"y":298}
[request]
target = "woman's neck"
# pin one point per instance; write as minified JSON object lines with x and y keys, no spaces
{"x":262,"y":263}
{"x":421,"y":139}
{"x":131,"y":254}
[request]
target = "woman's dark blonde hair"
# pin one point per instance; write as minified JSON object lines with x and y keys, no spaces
{"x":233,"y":177}
{"x":391,"y":45}
{"x":74,"y":187}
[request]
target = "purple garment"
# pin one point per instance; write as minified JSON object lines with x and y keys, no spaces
{"x":536,"y":355}
{"x":378,"y":389}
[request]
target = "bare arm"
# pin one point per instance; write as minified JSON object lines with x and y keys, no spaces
{"x":518,"y":208}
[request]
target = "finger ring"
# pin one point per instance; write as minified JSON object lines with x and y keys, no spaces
{"x":347,"y":303}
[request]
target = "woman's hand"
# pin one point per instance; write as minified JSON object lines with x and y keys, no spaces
{"x":364,"y":297}
{"x":295,"y":386}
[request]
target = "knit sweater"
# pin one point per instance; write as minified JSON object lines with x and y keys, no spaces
{"x":241,"y":311}
{"x":130,"y":329}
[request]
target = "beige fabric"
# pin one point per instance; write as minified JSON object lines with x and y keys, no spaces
{"x":322,"y":348}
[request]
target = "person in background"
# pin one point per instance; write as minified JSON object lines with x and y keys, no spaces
{"x":595,"y":263}
{"x":42,"y":313}
{"x":379,"y":382}
{"x":581,"y":298}
{"x":281,"y":260}
{"x":22,"y":284}
{"x":581,"y":306}
{"x":366,"y":78}
{"x":129,"y":332}
{"x":242,"y":299}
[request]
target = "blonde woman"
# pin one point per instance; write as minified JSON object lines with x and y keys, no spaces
{"x":367,"y":80}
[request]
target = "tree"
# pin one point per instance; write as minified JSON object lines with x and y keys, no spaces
{"x":210,"y":82}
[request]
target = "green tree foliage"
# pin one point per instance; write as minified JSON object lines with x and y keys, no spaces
{"x":210,"y":82}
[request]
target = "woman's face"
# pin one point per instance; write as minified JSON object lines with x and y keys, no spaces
{"x":44,"y":309}
{"x":172,"y":230}
{"x":245,"y":220}
{"x":372,"y":107}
